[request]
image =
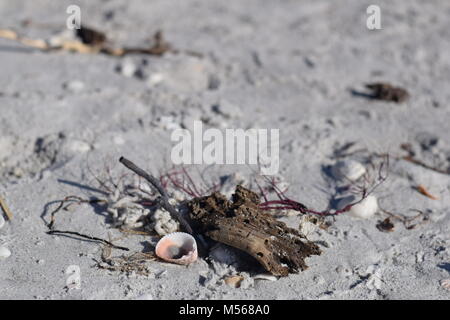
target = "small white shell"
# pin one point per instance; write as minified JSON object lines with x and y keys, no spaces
{"x":445,"y":284}
{"x":4,"y":252}
{"x":364,"y":209}
{"x":177,"y":247}
{"x":265,"y":276}
{"x":2,"y":221}
{"x":348,"y":170}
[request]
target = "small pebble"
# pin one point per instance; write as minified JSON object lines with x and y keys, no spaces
{"x":78,"y":146}
{"x":17,"y":172}
{"x":4,"y":252}
{"x":155,"y":79}
{"x":2,"y":221}
{"x":74,"y":86}
{"x":364,"y":209}
{"x":127,"y":68}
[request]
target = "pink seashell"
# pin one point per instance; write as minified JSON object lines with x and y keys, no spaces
{"x":177,"y":247}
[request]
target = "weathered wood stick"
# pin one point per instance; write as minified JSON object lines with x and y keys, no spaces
{"x":60,"y":232}
{"x":164,"y":199}
{"x":242,"y":224}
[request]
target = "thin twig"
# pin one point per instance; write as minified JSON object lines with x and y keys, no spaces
{"x":423,"y":164}
{"x":288,"y":204}
{"x":67,"y":199}
{"x":181,"y":185}
{"x":5,"y":209}
{"x":263,"y":193}
{"x":159,"y":47}
{"x":420,"y":188}
{"x":164,"y":199}
{"x":191,"y":182}
{"x":58,"y":232}
{"x":61,"y":232}
{"x":129,"y":231}
{"x":407,"y":221}
{"x":410,"y":158}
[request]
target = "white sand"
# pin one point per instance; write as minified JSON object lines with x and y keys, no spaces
{"x":271,"y":64}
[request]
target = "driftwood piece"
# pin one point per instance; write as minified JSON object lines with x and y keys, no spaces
{"x":92,"y":41}
{"x":242,"y":224}
{"x":90,"y":36}
{"x":387,"y":92}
